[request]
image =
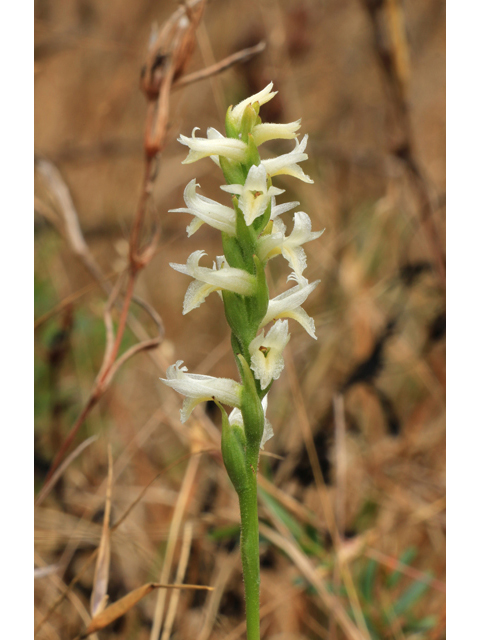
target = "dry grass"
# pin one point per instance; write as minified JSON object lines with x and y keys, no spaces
{"x":352,"y":505}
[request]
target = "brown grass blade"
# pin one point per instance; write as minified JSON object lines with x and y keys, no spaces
{"x":48,"y":486}
{"x":182,"y":567}
{"x":120,"y":607}
{"x":99,"y":598}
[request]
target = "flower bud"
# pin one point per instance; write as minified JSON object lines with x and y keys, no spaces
{"x":233,"y":452}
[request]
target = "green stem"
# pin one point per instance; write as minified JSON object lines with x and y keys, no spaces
{"x":249,"y":546}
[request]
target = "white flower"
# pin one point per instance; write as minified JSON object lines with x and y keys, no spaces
{"x":287,"y":163}
{"x":236,"y":417}
{"x":287,"y":305}
{"x":209,"y":280}
{"x":266,"y":353}
{"x":278,"y":209}
{"x":254,"y":196}
{"x":276,"y":242}
{"x":206,"y":210}
{"x":198,"y":388}
{"x":213,"y":145}
{"x":263,"y":96}
{"x":272,"y":131}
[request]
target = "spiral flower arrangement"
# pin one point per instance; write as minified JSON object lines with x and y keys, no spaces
{"x":252,"y":234}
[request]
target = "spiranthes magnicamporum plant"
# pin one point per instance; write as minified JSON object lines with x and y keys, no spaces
{"x":252,"y":234}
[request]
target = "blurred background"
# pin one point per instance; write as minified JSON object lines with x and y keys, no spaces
{"x":352,"y":496}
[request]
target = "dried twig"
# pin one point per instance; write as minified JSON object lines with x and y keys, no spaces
{"x":222,"y":65}
{"x":120,"y":607}
{"x":48,"y":486}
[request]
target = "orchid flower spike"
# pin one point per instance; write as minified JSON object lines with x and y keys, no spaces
{"x":252,"y":234}
{"x":209,"y":280}
{"x":198,"y":388}
{"x":254,"y":195}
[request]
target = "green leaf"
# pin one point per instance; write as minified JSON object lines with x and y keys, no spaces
{"x":367,"y":581}
{"x":224,"y":533}
{"x":407,"y":557}
{"x":410,"y":597}
{"x":307,"y":543}
{"x":425,"y":624}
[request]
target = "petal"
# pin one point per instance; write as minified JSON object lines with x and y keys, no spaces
{"x":194,"y":226}
{"x":267,"y":432}
{"x":198,"y":388}
{"x":213,"y":213}
{"x":196,"y":293}
{"x":261,"y":97}
{"x":287,"y":305}
{"x":296,"y":258}
{"x":286,"y":164}
{"x":272,"y":131}
{"x":230,"y":278}
{"x":302,"y":228}
{"x":269,"y":246}
{"x":278,"y":209}
{"x":236,"y":418}
{"x":210,"y":146}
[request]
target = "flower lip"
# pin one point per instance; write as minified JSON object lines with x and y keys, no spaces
{"x":254,"y":195}
{"x":266,"y":353}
